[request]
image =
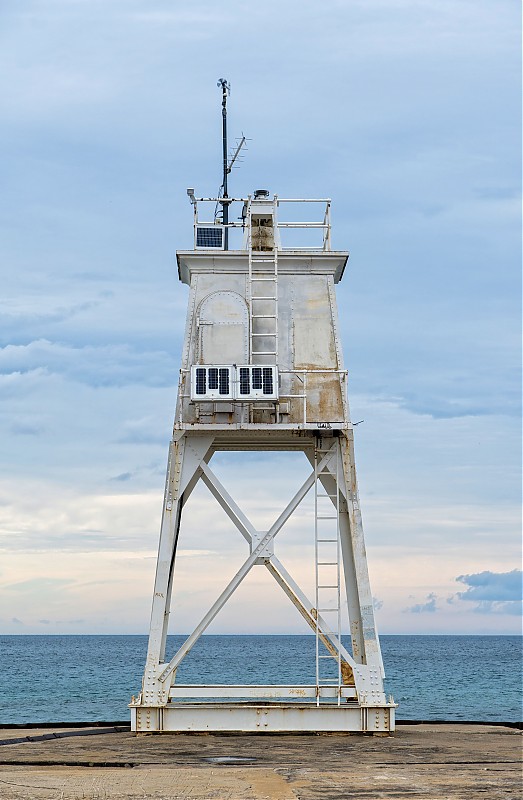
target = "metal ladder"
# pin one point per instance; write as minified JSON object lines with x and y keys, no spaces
{"x":263,"y":300}
{"x":327,"y":553}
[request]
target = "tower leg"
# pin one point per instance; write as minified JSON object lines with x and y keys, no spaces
{"x":186,"y":453}
{"x":371,"y":646}
{"x":365,"y":643}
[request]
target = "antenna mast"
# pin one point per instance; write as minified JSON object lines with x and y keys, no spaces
{"x":226,"y":90}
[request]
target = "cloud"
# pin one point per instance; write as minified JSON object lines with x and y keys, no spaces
{"x":124,"y":476}
{"x":26,"y":428}
{"x":493,"y":592}
{"x":424,"y":195}
{"x":110,"y":365}
{"x":39,"y":584}
{"x":421,"y":608}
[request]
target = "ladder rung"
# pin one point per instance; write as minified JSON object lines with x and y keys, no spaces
{"x":327,"y":586}
{"x":253,"y":278}
{"x":318,"y":516}
{"x":264,"y":297}
{"x":272,"y":333}
{"x":326,"y":495}
{"x":264,"y":353}
{"x":327,"y":563}
{"x":326,"y":540}
{"x":264,"y":316}
{"x":336,"y":609}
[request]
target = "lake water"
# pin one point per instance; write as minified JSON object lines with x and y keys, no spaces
{"x":91,"y":678}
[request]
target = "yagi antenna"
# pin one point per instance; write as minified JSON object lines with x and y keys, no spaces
{"x":236,"y":153}
{"x":227,"y":165}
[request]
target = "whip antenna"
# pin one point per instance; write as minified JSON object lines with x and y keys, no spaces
{"x":226,"y":90}
{"x":227,"y":164}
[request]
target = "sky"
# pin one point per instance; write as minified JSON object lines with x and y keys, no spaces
{"x":407,"y":114}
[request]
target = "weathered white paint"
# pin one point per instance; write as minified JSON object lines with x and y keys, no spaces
{"x":264,"y":305}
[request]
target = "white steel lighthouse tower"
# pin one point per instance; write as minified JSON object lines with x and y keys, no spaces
{"x":262,"y":369}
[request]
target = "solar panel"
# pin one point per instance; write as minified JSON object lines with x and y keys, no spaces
{"x":247,"y":383}
{"x":268,"y":386}
{"x":244,"y":380}
{"x":200,"y":380}
{"x":209,"y":237}
{"x":224,"y":380}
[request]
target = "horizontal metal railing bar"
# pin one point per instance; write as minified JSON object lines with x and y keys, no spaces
{"x":303,"y":200}
{"x":220,"y":690}
{"x":308,"y":371}
{"x":229,"y":200}
{"x":290,"y":371}
{"x":302,"y":247}
{"x":302,"y":225}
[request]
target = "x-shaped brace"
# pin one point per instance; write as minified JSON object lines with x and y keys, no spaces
{"x":260,"y":542}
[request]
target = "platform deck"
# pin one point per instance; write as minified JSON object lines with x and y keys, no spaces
{"x":436,"y":761}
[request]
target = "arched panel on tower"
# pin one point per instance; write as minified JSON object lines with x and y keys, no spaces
{"x":223,"y":319}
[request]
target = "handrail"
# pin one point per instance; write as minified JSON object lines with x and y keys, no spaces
{"x":300,"y":373}
{"x":275,"y":202}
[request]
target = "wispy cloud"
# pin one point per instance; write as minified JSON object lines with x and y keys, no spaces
{"x":110,"y":365}
{"x":428,"y":607}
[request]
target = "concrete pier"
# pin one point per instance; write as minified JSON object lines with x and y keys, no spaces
{"x":439,"y":761}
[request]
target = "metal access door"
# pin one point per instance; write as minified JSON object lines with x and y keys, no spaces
{"x":223,"y":324}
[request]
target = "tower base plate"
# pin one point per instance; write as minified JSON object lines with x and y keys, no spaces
{"x":263,"y":718}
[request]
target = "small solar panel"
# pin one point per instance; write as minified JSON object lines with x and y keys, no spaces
{"x":268,"y":386}
{"x":256,"y":378}
{"x":224,"y":380}
{"x":200,"y":380}
{"x":209,"y":237}
{"x":213,"y":378}
{"x":244,"y":380}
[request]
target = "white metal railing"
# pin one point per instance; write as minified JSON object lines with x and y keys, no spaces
{"x":301,"y":374}
{"x":266,"y":691}
{"x":217,"y":226}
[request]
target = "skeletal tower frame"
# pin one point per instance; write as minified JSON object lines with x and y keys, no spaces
{"x":262,"y":369}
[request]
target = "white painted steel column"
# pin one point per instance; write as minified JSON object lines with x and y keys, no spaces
{"x":185,"y":456}
{"x":371,"y":646}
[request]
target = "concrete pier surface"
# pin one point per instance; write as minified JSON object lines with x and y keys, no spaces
{"x":429,"y":760}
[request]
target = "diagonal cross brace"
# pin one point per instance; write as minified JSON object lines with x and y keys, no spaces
{"x":246,"y":528}
{"x":273,"y":564}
